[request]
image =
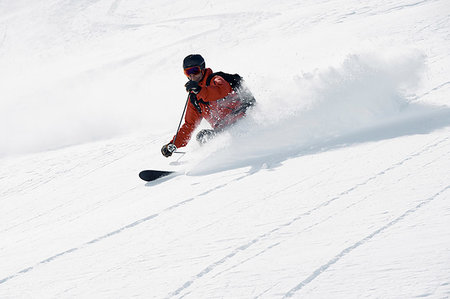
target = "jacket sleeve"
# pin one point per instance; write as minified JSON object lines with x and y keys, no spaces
{"x":218,"y":89}
{"x":191,"y":121}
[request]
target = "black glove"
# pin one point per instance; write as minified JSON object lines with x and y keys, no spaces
{"x":192,"y":86}
{"x":168,"y":149}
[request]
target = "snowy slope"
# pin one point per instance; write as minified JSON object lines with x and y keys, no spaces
{"x":337,"y":186}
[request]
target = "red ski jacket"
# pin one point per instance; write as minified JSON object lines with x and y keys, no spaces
{"x":219,"y":106}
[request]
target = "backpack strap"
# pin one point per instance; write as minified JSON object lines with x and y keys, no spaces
{"x":208,"y":80}
{"x":233,"y":79}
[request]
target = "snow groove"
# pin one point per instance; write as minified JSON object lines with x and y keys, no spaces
{"x":400,"y":7}
{"x":349,"y":249}
{"x":116,"y":232}
{"x":55,"y":170}
{"x":347,"y":138}
{"x":305,"y":229}
{"x":433,"y":90}
{"x":248,"y":259}
{"x":241,"y":248}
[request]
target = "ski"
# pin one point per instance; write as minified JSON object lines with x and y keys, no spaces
{"x":151,"y":175}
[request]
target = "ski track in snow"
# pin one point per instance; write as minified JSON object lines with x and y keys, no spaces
{"x":349,"y":249}
{"x":400,"y":7}
{"x":153,"y":40}
{"x":34,"y":183}
{"x":103,"y":158}
{"x":118,"y":231}
{"x":268,"y":234}
{"x":433,"y":90}
{"x":315,"y":224}
{"x":343,"y":253}
{"x":261,"y":237}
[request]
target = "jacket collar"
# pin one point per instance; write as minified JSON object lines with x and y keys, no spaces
{"x":208,"y":72}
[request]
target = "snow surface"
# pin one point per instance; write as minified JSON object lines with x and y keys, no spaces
{"x":336,"y":186}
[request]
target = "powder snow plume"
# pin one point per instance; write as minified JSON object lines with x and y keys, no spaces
{"x":366,"y":92}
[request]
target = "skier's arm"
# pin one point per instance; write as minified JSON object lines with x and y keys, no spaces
{"x":218,"y":89}
{"x":191,"y":121}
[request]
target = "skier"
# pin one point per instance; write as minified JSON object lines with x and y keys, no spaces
{"x":220,"y":98}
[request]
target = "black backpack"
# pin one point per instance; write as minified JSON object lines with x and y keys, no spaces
{"x":233,"y":79}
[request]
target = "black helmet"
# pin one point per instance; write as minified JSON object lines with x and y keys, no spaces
{"x":194,"y":60}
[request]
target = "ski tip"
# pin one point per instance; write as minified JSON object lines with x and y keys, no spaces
{"x":151,"y":175}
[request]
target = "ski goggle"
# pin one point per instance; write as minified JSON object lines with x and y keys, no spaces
{"x":195,"y":70}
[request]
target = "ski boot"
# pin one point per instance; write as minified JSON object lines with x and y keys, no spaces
{"x":205,"y":135}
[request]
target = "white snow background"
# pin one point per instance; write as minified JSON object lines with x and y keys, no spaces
{"x":336,"y":186}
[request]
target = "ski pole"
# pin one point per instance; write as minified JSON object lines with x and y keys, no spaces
{"x":181,"y":120}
